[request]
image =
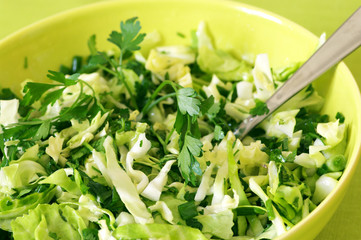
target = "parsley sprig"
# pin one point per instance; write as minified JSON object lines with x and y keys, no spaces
{"x":186,"y":125}
{"x":127,"y":40}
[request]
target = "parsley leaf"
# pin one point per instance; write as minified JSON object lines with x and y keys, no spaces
{"x":52,"y":96}
{"x":187,"y":210}
{"x":34,"y":91}
{"x":210,"y":108}
{"x":187,"y":103}
{"x":43,"y":130}
{"x":218,"y":133}
{"x":60,"y":77}
{"x":187,"y":162}
{"x":90,"y":234}
{"x":129,"y":38}
{"x":260,"y":108}
{"x":194,"y":145}
{"x":6,"y":94}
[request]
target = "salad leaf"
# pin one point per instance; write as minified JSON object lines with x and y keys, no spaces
{"x":11,"y":208}
{"x":219,"y":224}
{"x":48,"y":221}
{"x":118,"y":178}
{"x":33,"y":91}
{"x":217,"y":61}
{"x":187,"y":162}
{"x":60,"y":178}
{"x":260,"y":108}
{"x":129,"y":39}
{"x":188,"y":210}
{"x":187,"y":103}
{"x":9,"y":111}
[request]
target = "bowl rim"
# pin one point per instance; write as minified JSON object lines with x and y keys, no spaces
{"x":348,"y":174}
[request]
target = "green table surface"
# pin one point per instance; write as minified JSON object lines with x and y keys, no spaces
{"x":316,"y":15}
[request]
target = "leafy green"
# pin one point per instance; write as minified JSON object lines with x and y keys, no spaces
{"x":11,"y":208}
{"x":60,"y":178}
{"x":218,"y":133}
{"x":340,"y":117}
{"x":188,"y":210}
{"x":245,"y":210}
{"x":46,"y":221}
{"x":187,"y":163}
{"x":90,"y":234}
{"x":7,"y":94}
{"x":260,"y":108}
{"x":43,"y":130}
{"x":129,"y":38}
{"x":34,"y":91}
{"x":60,"y":77}
{"x":219,"y":224}
{"x":187,"y":102}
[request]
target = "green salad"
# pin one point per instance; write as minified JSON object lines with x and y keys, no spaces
{"x":138,"y":143}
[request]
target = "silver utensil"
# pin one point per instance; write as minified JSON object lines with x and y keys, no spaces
{"x":342,"y":42}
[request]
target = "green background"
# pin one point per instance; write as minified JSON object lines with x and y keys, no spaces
{"x":318,"y":16}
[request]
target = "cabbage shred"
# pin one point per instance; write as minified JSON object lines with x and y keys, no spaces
{"x":138,"y":143}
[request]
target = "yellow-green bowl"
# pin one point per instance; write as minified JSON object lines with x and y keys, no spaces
{"x":239,"y":28}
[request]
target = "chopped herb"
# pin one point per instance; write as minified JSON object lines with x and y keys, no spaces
{"x":340,"y":117}
{"x":260,"y":108}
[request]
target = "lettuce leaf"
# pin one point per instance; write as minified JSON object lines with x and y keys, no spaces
{"x":219,"y":62}
{"x":219,"y":224}
{"x":12,"y":208}
{"x":49,"y":222}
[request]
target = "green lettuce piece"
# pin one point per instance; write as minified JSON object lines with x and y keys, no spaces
{"x":117,"y":177}
{"x":130,"y":77}
{"x":219,"y":62}
{"x":130,"y":137}
{"x":90,"y":210}
{"x":333,"y":132}
{"x":86,"y":130}
{"x":173,"y":204}
{"x":292,"y":195}
{"x":12,"y":208}
{"x":287,"y":197}
{"x":61,"y":179}
{"x":273,"y":214}
{"x":163,"y":231}
{"x":307,"y":98}
{"x":19,"y":175}
{"x":30,"y":154}
{"x":9,"y":111}
{"x":49,"y":222}
{"x":262,"y":77}
{"x":233,"y":171}
{"x":281,"y":124}
{"x":269,"y":233}
{"x":218,"y":224}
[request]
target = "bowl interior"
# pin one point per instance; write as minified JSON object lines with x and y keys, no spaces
{"x":238,"y":28}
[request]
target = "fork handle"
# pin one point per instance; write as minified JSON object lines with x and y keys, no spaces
{"x":342,"y":42}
